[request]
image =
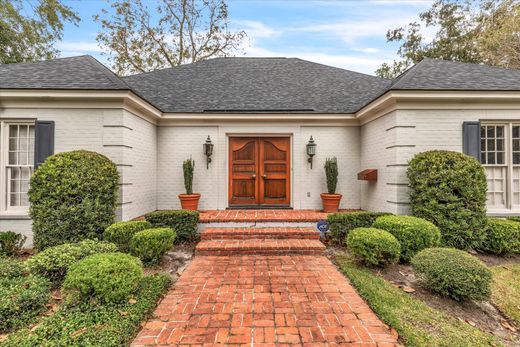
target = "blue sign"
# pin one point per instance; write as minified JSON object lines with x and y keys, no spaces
{"x":322,"y":226}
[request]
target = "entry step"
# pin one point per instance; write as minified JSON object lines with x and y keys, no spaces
{"x":260,"y":233}
{"x":260,"y":247}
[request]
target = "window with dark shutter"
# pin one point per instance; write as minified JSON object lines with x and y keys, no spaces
{"x":43,"y":141}
{"x":471,"y":139}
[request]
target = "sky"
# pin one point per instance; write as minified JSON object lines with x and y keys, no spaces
{"x":345,"y":34}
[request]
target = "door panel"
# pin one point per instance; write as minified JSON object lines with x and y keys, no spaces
{"x":274,"y":170}
{"x":243,"y":171}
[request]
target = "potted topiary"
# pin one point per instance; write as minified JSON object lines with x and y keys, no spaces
{"x":189,"y":201}
{"x":331,"y":199}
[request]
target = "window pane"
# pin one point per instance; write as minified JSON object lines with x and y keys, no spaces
{"x":500,"y":144}
{"x":516,"y":158}
{"x":490,"y":131}
{"x":516,"y":131}
{"x":490,"y":145}
{"x":500,"y":158}
{"x":491,"y":158}
{"x":500,"y":131}
{"x":13,"y":131}
{"x":482,"y":131}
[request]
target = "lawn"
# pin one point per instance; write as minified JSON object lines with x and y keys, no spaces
{"x":506,"y":290}
{"x":417,"y":323}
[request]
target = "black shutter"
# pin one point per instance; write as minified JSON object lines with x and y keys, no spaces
{"x":43,"y":141}
{"x":471,"y":134}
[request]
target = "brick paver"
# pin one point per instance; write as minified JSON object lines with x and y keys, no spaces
{"x":260,"y":246}
{"x":215,"y":216}
{"x":292,"y":300}
{"x":260,"y":233}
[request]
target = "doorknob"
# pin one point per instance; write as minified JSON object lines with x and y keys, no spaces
{"x":264,"y":176}
{"x":253,"y":176}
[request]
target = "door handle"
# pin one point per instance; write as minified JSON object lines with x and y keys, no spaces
{"x":253,"y":176}
{"x":264,"y":176}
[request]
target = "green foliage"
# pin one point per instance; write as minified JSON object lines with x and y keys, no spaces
{"x":331,"y":171}
{"x":453,"y":273}
{"x":29,"y":32}
{"x":107,"y":325}
{"x":21,"y":300}
{"x":340,"y":224}
{"x":414,"y":234}
{"x":121,"y":233}
{"x":374,"y":246}
{"x":449,"y":189}
{"x":188,"y":167}
{"x":150,"y":245}
{"x":103,"y":278}
{"x":501,"y":237}
{"x":73,"y":197}
{"x":183,"y":222}
{"x":11,"y":243}
{"x":11,"y":268}
{"x":54,"y":262}
{"x":505,"y":290}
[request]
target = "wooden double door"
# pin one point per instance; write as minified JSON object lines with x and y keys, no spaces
{"x":259,"y":171}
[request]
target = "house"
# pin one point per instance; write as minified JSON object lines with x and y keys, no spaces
{"x":259,"y":113}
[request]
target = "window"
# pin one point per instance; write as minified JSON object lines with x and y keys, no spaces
{"x":17,"y":165}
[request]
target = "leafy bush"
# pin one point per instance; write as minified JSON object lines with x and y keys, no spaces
{"x":11,"y":243}
{"x":21,"y":300}
{"x":105,"y":278}
{"x":453,"y":273}
{"x":501,"y":237}
{"x":109,"y":325}
{"x":514,"y":218}
{"x":414,"y":234}
{"x":449,"y":190}
{"x":73,"y":197}
{"x":374,"y":246}
{"x":331,"y":172}
{"x":11,"y":268}
{"x":150,"y":245}
{"x":121,"y":233}
{"x":54,"y":262}
{"x":340,"y":224}
{"x":183,"y":222}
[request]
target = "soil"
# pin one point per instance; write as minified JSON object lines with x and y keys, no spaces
{"x":483,"y":315}
{"x":175,"y":261}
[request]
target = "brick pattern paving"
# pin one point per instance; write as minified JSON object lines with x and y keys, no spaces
{"x":260,"y":246}
{"x":260,"y":233}
{"x":220,"y":216}
{"x":263,"y":301}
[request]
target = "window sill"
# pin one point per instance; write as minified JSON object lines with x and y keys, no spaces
{"x":15,"y":216}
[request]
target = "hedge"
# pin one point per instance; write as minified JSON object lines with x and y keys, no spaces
{"x":501,"y":237}
{"x":449,"y":189}
{"x":73,"y":197}
{"x":151,"y":244}
{"x":373,"y":246}
{"x":341,"y":223}
{"x":183,"y":222}
{"x":121,"y":233}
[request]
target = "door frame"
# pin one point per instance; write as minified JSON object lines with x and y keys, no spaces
{"x":291,"y":164}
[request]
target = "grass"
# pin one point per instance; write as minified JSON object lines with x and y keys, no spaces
{"x":87,"y":325}
{"x":506,"y":290}
{"x":417,"y":323}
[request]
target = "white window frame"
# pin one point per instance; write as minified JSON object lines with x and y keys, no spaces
{"x":5,"y":209}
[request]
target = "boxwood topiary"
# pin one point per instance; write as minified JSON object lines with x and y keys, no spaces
{"x":104,"y":278}
{"x":449,"y":189}
{"x":184,"y":222}
{"x":414,"y":234}
{"x":374,"y":246}
{"x":121,"y":233}
{"x":453,"y":273}
{"x":73,"y":197}
{"x":150,"y":245}
{"x":54,"y":262}
{"x":341,"y":223}
{"x":501,"y":237}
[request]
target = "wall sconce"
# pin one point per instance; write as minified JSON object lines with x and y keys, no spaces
{"x":311,"y":150}
{"x":208,"y":151}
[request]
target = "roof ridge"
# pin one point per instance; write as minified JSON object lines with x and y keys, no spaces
{"x":106,"y":71}
{"x":45,"y":60}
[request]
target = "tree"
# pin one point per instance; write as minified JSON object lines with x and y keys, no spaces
{"x":184,"y":31}
{"x":28,"y":33}
{"x":485,"y":31}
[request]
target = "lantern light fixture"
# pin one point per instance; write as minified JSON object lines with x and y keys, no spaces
{"x":311,"y":150}
{"x":208,"y":151}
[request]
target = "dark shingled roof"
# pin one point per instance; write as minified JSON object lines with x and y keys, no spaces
{"x":83,"y":72}
{"x":257,"y":85}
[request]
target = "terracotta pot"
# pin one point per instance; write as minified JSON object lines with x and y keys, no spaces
{"x":330,"y":202}
{"x":189,"y":201}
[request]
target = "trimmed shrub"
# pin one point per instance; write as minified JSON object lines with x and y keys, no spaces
{"x":54,"y":262}
{"x":340,"y":224}
{"x":374,"y":246}
{"x":150,"y":245}
{"x":121,"y":233}
{"x":104,"y":278}
{"x":501,"y":237}
{"x":11,"y":268}
{"x":414,"y":234}
{"x":73,"y":197}
{"x":449,"y":189}
{"x":21,"y":300}
{"x":183,"y":222}
{"x":514,"y":218}
{"x":11,"y":243}
{"x":453,"y":273}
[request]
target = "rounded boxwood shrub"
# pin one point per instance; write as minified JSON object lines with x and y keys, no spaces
{"x":104,"y":278}
{"x":414,"y":234}
{"x":73,"y":197}
{"x":449,"y":189}
{"x":374,"y":246}
{"x":54,"y":262}
{"x":11,"y":268}
{"x":150,"y":245}
{"x":184,"y":222}
{"x":453,"y":273}
{"x":121,"y":233}
{"x":501,"y":237}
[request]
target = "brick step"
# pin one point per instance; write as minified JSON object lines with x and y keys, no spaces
{"x":260,"y":233}
{"x":260,"y":247}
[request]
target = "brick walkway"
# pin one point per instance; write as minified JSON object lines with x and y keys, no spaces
{"x":292,"y":300}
